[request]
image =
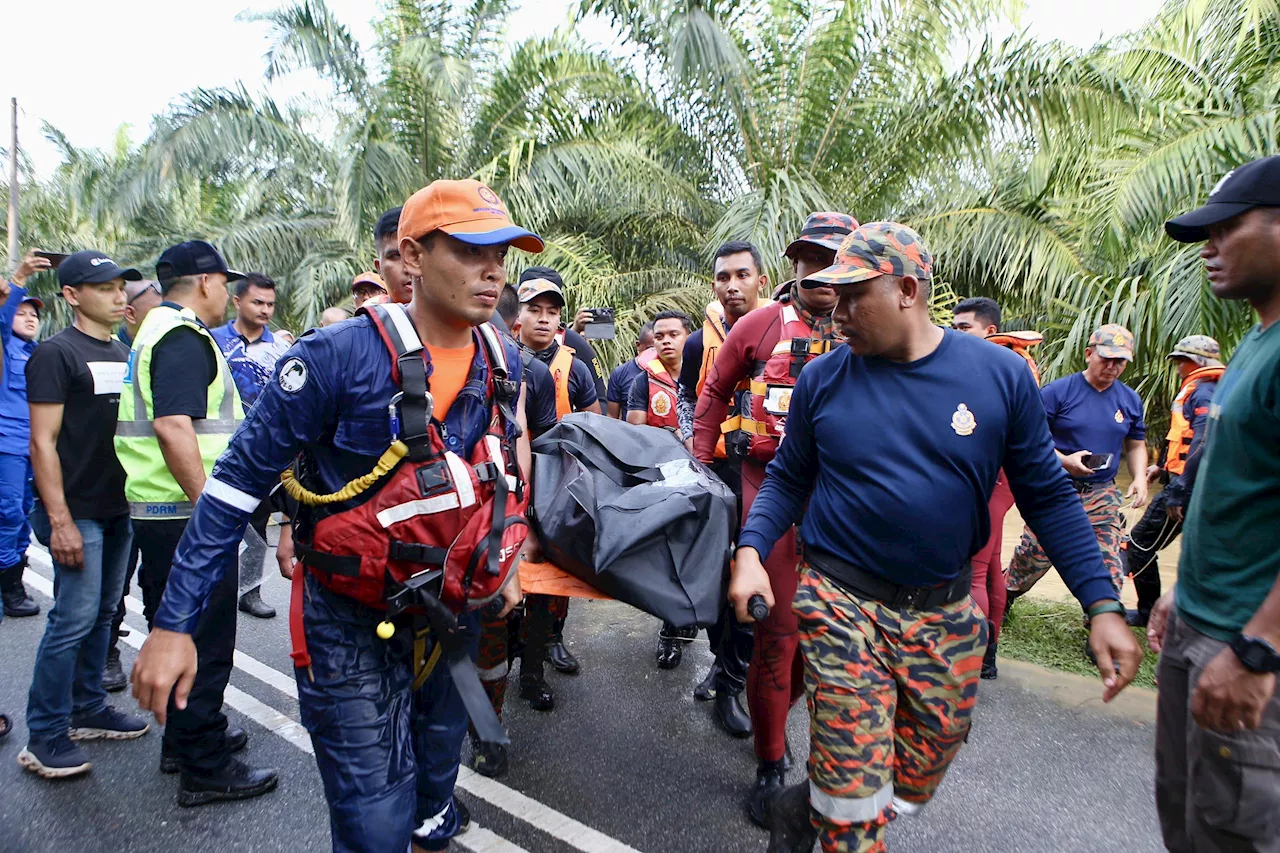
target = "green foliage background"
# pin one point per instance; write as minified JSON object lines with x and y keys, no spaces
{"x":1038,"y":173}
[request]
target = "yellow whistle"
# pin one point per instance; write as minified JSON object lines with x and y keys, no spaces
{"x":385,"y":630}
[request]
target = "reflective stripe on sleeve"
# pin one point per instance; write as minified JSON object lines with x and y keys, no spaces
{"x":230,"y":495}
{"x":855,"y":809}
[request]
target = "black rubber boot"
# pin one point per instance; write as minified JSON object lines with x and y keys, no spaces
{"x":17,"y":602}
{"x":730,"y":716}
{"x":706,"y":689}
{"x":670,"y":648}
{"x":535,"y":690}
{"x":113,"y":677}
{"x":771,"y":777}
{"x":488,"y":759}
{"x":561,"y":658}
{"x":989,"y":671}
{"x":251,"y":602}
{"x":791,"y":829}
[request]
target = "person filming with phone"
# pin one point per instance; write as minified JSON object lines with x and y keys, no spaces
{"x":1095,"y":420}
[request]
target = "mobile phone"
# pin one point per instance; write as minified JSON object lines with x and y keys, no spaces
{"x":600,"y":327}
{"x":1096,"y":461}
{"x":54,"y":258}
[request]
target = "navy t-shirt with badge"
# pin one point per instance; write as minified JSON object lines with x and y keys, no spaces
{"x":891,"y":465}
{"x":1083,"y":418}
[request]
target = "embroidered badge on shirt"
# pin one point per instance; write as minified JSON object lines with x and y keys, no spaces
{"x":1119,"y":416}
{"x":661,"y":404}
{"x":963,"y":421}
{"x":293,"y":375}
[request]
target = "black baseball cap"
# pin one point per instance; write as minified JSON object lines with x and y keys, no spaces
{"x":93,"y":267}
{"x":1255,"y":184}
{"x":194,"y":257}
{"x":544,"y":273}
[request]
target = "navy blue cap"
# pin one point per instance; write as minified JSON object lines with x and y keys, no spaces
{"x":92,"y":267}
{"x":1255,"y":184}
{"x":194,"y":257}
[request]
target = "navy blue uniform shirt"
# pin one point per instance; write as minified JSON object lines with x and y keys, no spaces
{"x":1083,"y":418}
{"x":620,"y":382}
{"x":897,"y":461}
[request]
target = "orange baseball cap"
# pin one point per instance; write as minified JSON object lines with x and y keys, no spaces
{"x":368,"y":278}
{"x":466,"y":210}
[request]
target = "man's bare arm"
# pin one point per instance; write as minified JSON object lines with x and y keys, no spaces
{"x":181,"y":449}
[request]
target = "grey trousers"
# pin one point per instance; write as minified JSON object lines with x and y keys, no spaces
{"x":1215,"y":793}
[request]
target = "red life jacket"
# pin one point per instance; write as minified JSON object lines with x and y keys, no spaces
{"x":774,"y":379}
{"x":426,"y":510}
{"x":662,"y":396}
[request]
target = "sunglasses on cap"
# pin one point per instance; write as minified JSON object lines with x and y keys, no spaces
{"x":153,"y":285}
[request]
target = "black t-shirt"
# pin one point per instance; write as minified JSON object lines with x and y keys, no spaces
{"x":86,"y":376}
{"x":540,"y":396}
{"x":183,"y":366}
{"x":691,"y":366}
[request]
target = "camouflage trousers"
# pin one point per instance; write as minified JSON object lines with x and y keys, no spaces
{"x":504,"y":639}
{"x":890,"y":695}
{"x":1102,"y":504}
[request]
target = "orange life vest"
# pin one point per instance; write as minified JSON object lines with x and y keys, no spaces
{"x":561,"y":366}
{"x":769,"y":398}
{"x":1180,"y":432}
{"x":662,"y":396}
{"x":714,"y":332}
{"x":1021,"y":343}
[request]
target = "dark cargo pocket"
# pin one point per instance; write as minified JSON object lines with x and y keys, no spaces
{"x":1236,"y":782}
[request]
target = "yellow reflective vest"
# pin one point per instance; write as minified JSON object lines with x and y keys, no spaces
{"x":151,"y":490}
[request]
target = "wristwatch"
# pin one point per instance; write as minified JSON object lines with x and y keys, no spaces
{"x":1256,"y":654}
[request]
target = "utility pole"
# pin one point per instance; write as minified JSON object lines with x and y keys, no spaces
{"x":13,"y":188}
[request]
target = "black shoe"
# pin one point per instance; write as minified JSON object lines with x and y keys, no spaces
{"x":730,"y":716}
{"x":706,"y":689}
{"x":488,"y":759}
{"x":670,"y":651}
{"x":989,"y":671}
{"x":235,"y":780}
{"x":251,"y":602}
{"x":13,"y":594}
{"x":1137,"y":618}
{"x":770,"y":779}
{"x":561,"y":658}
{"x":113,"y":678}
{"x":537,"y":693}
{"x":790,"y":828}
{"x":237,"y":739}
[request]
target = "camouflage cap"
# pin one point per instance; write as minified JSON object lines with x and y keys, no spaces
{"x":825,"y":229}
{"x":1112,"y":341}
{"x":1201,"y":349}
{"x":875,"y":249}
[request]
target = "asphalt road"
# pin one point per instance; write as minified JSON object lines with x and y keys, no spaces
{"x":628,"y":761}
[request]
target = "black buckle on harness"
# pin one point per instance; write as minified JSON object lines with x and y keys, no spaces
{"x":487,"y":472}
{"x":799,"y":355}
{"x":416,"y":552}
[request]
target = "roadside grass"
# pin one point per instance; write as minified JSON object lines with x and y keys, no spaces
{"x":1052,"y":634}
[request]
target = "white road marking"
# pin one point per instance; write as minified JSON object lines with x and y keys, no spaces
{"x":477,"y":840}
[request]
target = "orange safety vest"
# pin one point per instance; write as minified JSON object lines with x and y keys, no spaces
{"x":1021,"y":343}
{"x":1180,"y":432}
{"x":714,"y":332}
{"x":769,"y":398}
{"x":561,"y":366}
{"x":662,"y":396}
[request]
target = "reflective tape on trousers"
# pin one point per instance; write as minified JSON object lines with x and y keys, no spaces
{"x":855,"y":809}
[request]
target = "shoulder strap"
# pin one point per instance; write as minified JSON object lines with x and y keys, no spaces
{"x":408,"y":368}
{"x":506,"y":391}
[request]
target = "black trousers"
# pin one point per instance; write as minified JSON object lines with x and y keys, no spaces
{"x":1154,"y":532}
{"x":196,"y":736}
{"x":730,"y":639}
{"x":128,"y":579}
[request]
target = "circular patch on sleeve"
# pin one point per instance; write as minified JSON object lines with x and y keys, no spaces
{"x":293,"y":375}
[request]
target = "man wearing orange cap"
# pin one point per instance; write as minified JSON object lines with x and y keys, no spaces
{"x":368,"y":287}
{"x":431,"y":376}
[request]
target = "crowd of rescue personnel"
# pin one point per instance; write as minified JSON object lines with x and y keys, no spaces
{"x":396,"y":441}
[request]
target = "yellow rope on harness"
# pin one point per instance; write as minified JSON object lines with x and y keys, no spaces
{"x":389,"y":459}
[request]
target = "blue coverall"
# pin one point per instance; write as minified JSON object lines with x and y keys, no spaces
{"x":388,"y":756}
{"x":15,"y":436}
